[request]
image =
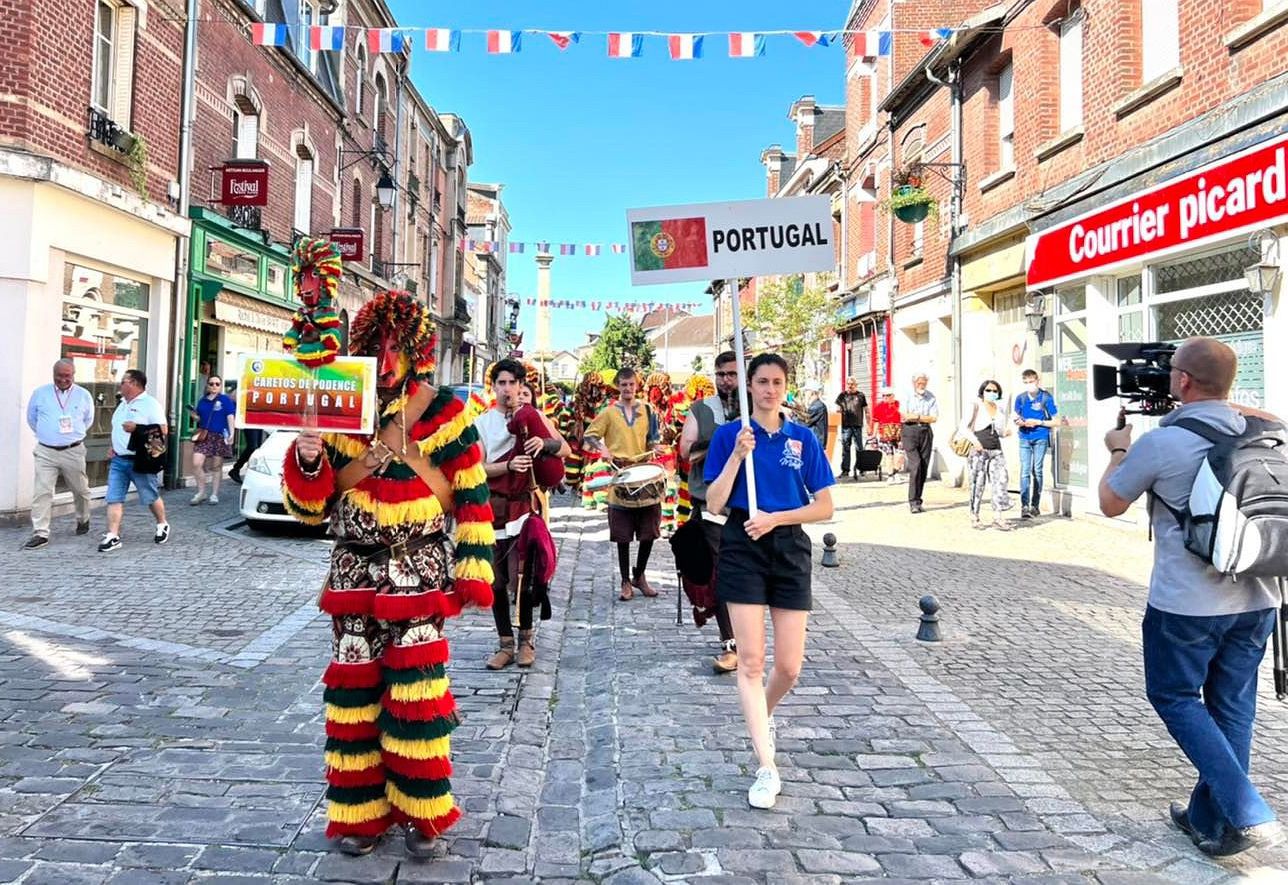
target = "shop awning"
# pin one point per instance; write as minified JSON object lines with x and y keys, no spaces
{"x":238,"y":310}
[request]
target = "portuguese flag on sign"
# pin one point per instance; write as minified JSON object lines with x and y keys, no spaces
{"x":669,"y":243}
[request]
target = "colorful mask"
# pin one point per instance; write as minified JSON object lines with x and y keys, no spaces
{"x":314,"y":336}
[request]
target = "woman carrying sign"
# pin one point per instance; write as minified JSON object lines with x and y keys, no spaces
{"x":765,"y":559}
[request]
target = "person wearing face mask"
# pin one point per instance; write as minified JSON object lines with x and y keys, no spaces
{"x":1035,"y":413}
{"x":986,"y":426}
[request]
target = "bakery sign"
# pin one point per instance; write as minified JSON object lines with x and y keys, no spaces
{"x":1234,"y":195}
{"x":245,"y":183}
{"x":350,"y":242}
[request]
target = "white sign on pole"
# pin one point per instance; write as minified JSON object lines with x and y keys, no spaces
{"x":716,"y":241}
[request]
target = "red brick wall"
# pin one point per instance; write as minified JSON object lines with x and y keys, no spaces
{"x":1111,"y":70}
{"x":46,"y":80}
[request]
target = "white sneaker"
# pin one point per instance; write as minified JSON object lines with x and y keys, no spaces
{"x":198,"y":498}
{"x":214,"y":499}
{"x":764,"y":792}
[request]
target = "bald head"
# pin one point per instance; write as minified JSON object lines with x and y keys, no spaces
{"x":1210,"y":365}
{"x":64,"y":374}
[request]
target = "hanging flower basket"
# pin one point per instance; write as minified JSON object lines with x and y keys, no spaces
{"x":911,"y":204}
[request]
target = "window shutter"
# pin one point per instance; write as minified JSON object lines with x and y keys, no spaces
{"x":123,"y":76}
{"x":1071,"y":73}
{"x":247,"y":136}
{"x":303,"y":194}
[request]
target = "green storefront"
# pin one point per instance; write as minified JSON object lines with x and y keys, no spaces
{"x":239,"y":301}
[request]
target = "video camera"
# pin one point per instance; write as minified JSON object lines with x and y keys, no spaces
{"x":1142,"y":378}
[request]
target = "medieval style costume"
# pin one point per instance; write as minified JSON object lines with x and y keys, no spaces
{"x":394,"y":579}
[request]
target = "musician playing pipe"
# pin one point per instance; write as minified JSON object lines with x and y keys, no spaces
{"x":509,"y":467}
{"x":626,"y":432}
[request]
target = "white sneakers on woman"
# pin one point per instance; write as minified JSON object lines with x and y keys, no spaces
{"x":764,"y":792}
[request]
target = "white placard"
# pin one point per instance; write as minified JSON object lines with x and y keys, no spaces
{"x":710,"y":241}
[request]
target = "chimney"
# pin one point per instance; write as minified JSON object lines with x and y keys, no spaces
{"x":772,"y":159}
{"x":803,"y":112}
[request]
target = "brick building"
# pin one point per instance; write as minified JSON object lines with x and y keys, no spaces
{"x":487,"y":221}
{"x":89,"y":151}
{"x":1105,"y":126}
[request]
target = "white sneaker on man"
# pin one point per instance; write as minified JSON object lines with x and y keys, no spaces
{"x":764,"y":792}
{"x":214,"y":499}
{"x":198,"y":498}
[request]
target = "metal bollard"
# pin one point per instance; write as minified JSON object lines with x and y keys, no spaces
{"x":829,"y":551}
{"x":929,"y":629}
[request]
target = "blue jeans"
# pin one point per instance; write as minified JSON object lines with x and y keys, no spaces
{"x":1201,"y":677}
{"x":1032,"y":465}
{"x":850,"y":435}
{"x":121,"y":473}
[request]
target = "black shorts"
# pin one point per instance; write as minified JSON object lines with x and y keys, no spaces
{"x":626,"y":524}
{"x":774,"y":571}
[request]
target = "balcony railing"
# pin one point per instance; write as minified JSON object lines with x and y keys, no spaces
{"x":108,"y":132}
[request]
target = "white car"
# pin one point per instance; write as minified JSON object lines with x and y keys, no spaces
{"x":261,"y":489}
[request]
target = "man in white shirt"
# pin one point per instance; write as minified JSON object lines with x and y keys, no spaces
{"x":136,"y":409}
{"x":59,"y":414}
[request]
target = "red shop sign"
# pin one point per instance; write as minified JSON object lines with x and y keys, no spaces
{"x":1234,"y":195}
{"x":350,"y":242}
{"x":245,"y":184}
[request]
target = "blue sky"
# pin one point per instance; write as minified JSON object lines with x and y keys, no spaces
{"x":578,"y":138}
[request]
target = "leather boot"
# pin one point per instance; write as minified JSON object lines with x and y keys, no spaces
{"x":357,"y":846}
{"x":504,"y":656}
{"x":526,"y":655}
{"x":418,"y":844}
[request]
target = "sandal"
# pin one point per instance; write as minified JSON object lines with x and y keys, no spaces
{"x":627,"y":591}
{"x":976,"y":524}
{"x":1001,"y":525}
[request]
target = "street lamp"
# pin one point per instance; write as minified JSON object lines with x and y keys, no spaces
{"x":385,"y":189}
{"x":1035,"y":313}
{"x":1263,"y":277}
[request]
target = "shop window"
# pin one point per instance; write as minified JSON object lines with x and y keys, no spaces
{"x":1160,"y":45}
{"x":1071,"y":467}
{"x":277,"y":280}
{"x":232,"y":263}
{"x":1006,"y":118}
{"x":112,"y":82}
{"x":104,"y":332}
{"x":1212,"y":316}
{"x":1071,"y":71}
{"x":1205,"y":270}
{"x":1072,"y":300}
{"x":1131,"y":319}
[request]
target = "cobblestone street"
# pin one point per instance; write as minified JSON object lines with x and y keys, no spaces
{"x":160,"y":718}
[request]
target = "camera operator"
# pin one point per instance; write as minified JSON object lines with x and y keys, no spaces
{"x":1204,"y":636}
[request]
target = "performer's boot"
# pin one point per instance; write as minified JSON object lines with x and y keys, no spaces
{"x":527,"y":653}
{"x":357,"y":846}
{"x":504,"y":656}
{"x":418,"y":844}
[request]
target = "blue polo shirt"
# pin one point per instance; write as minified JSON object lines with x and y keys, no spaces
{"x":1040,"y":406}
{"x":790,"y":466}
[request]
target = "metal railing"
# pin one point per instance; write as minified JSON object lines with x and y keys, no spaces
{"x":107,"y":131}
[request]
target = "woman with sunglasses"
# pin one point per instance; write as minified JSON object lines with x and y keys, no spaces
{"x":985,"y":426}
{"x":214,"y":440}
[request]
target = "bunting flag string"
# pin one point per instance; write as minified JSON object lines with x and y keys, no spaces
{"x":622,"y":306}
{"x":516,"y":247}
{"x":621,"y":44}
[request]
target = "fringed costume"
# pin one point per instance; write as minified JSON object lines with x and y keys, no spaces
{"x":394,"y":580}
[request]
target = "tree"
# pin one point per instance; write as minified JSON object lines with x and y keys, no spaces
{"x":793,"y":318}
{"x":621,"y":343}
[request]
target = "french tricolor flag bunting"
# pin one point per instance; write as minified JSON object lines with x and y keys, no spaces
{"x":266,"y":34}
{"x":593,"y":248}
{"x":504,"y":42}
{"x":563,"y":39}
{"x":934,"y":35}
{"x":386,"y":40}
{"x":812,"y":38}
{"x":328,"y":38}
{"x":685,"y":46}
{"x":516,"y":248}
{"x":567,"y":248}
{"x":619,"y":248}
{"x":746,"y":44}
{"x":870,"y":44}
{"x":625,"y":45}
{"x":442,"y":40}
{"x":543,"y":247}
{"x":467,"y":245}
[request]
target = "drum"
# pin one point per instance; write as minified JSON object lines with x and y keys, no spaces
{"x":640,"y":486}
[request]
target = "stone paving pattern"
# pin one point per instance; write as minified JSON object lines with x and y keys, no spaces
{"x":160,"y":719}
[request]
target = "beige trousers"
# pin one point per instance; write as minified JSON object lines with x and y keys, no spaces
{"x":70,"y":463}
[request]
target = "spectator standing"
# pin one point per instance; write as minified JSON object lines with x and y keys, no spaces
{"x":987,"y":424}
{"x":214,"y":440}
{"x":1035,"y":413}
{"x":816,"y":414}
{"x":920,"y":412}
{"x":59,"y":414}
{"x":1203,"y":635}
{"x":853,"y":406}
{"x":885,"y":427}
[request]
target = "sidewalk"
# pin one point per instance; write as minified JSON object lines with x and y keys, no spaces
{"x":160,"y":719}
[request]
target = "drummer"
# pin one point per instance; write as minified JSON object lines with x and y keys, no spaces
{"x":765,"y":559}
{"x":626,"y":433}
